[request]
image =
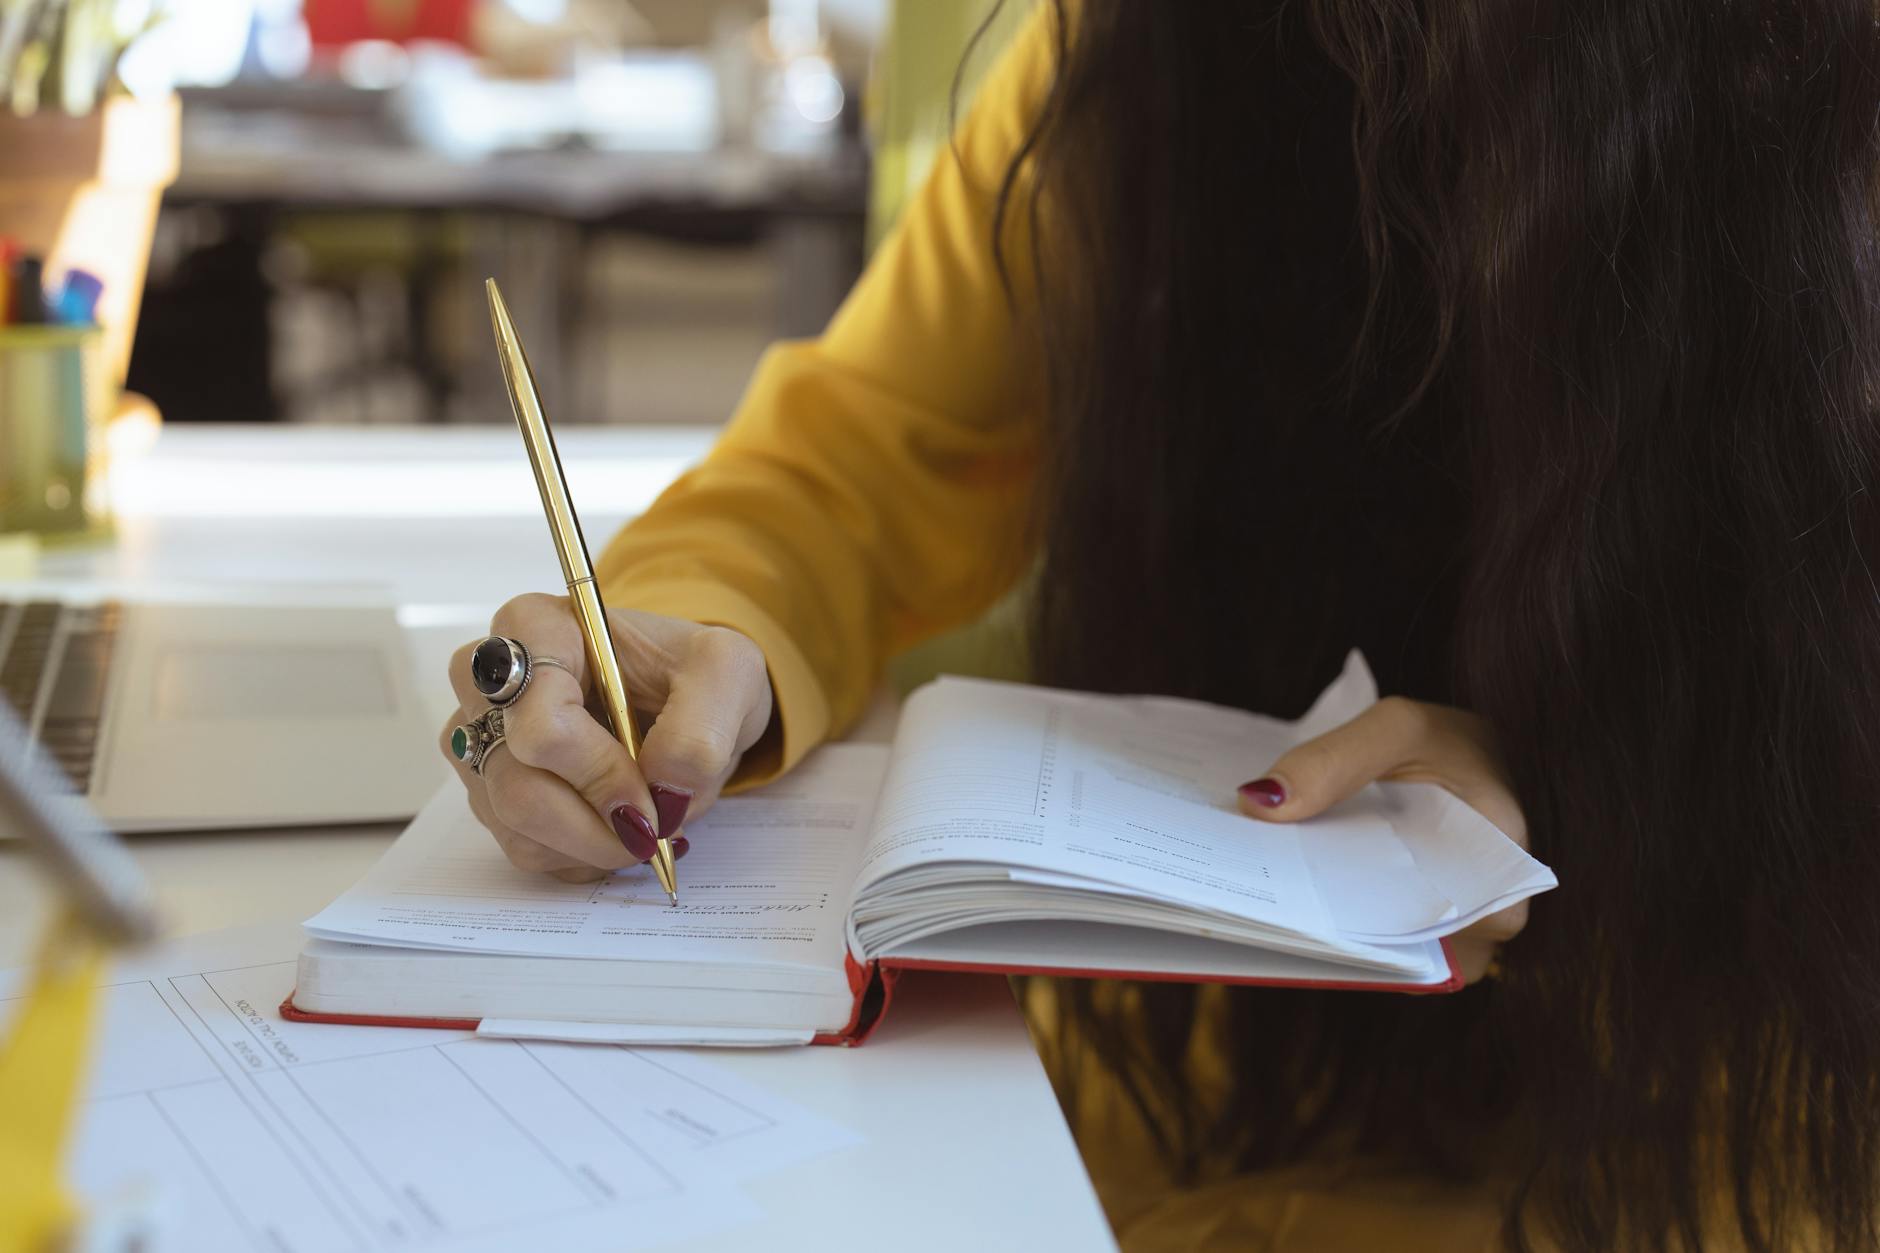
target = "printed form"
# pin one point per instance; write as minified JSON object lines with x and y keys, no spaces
{"x":1098,"y":793}
{"x":1134,"y":796}
{"x":218,"y":1125}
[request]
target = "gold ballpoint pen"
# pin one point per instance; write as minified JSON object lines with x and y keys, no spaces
{"x":571,"y":547}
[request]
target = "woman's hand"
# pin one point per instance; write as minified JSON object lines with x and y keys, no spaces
{"x":1403,"y":741}
{"x":560,"y":794}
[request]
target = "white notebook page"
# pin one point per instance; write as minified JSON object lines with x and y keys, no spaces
{"x":767,"y":882}
{"x":1113,"y":791}
{"x":1136,"y":796}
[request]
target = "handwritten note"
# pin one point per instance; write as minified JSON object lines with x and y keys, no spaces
{"x":768,"y":882}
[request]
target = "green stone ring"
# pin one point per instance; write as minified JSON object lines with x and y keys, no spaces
{"x":472,"y":742}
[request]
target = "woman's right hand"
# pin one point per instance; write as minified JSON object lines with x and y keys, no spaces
{"x":560,"y":794}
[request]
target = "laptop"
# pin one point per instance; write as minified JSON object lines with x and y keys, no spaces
{"x":202,"y":716}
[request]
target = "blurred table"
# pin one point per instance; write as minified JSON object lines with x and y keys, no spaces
{"x":447,"y":521}
{"x":334,"y":147}
{"x":965,"y":1145}
{"x":254,"y":154}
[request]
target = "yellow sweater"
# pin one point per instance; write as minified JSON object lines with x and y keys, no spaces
{"x":873,"y":487}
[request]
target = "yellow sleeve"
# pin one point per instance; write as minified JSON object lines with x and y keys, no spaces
{"x":875,"y":484}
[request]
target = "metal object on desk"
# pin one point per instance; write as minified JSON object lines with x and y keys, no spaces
{"x":60,"y":829}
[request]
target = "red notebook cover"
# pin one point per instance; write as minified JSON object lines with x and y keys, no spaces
{"x":873,"y":986}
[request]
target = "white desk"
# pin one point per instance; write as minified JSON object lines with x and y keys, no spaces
{"x":965,"y":1146}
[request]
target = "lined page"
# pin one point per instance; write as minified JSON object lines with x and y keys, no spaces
{"x":768,"y":881}
{"x":1136,"y":796}
{"x":1120,"y":793}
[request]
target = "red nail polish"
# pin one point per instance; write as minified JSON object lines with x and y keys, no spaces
{"x":680,"y":847}
{"x":671,"y":802}
{"x":1264,"y":792}
{"x":634,"y":831}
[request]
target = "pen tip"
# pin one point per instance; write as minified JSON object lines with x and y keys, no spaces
{"x":672,"y":898}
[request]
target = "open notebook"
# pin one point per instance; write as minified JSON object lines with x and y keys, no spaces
{"x":1008,"y":828}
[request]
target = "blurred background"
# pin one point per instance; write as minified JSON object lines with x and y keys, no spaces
{"x":662,"y":187}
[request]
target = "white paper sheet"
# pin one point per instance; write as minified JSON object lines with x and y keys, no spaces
{"x":228,"y":1128}
{"x":767,"y":882}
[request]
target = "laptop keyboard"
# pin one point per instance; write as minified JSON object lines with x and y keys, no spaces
{"x":54,"y":660}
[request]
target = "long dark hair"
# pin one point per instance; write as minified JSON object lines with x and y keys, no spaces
{"x":1534,"y":347}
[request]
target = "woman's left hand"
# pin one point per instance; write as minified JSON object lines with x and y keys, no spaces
{"x":1403,"y":741}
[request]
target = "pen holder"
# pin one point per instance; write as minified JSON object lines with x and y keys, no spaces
{"x":55,"y":399}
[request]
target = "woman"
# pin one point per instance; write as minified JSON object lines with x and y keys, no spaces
{"x":1531,"y":348}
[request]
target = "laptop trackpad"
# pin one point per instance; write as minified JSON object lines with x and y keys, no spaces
{"x":206,"y":682}
{"x":261,"y":715}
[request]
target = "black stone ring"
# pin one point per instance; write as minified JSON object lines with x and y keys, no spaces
{"x":500,"y":669}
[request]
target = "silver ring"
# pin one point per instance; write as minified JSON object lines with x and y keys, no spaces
{"x":483,"y":758}
{"x":472,"y":742}
{"x":499,"y":667}
{"x":556,"y":662}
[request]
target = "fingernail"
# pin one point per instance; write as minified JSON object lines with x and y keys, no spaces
{"x":671,"y":802}
{"x":634,"y":831}
{"x":1264,"y":792}
{"x":680,"y":847}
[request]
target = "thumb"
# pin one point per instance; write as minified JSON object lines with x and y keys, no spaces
{"x":1319,"y":773}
